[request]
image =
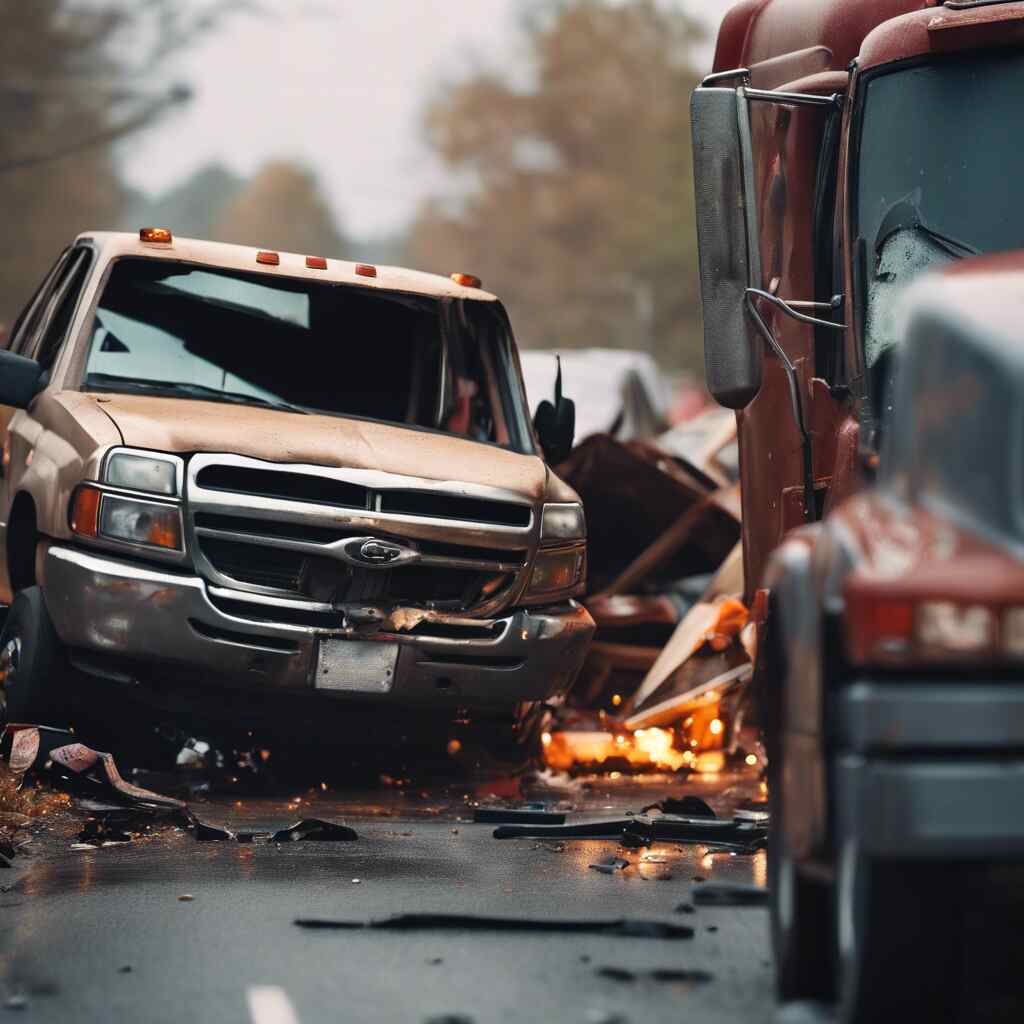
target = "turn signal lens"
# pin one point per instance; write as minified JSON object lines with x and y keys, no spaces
{"x":557,"y":573}
{"x":467,"y":280}
{"x":85,"y":509}
{"x":160,"y":235}
{"x":140,"y":522}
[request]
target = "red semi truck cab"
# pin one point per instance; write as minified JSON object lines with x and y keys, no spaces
{"x":842,"y":149}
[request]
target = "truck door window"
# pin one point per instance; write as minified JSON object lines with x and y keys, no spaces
{"x":197,"y":332}
{"x":61,"y":308}
{"x":23,"y":333}
{"x":938,"y":177}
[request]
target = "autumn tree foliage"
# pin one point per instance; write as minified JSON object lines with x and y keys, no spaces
{"x":281,"y":207}
{"x":578,"y":198}
{"x":75,"y":77}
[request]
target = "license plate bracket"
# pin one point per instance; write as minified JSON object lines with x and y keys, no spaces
{"x":356,"y":666}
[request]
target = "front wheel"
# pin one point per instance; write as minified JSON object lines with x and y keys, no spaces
{"x":899,"y":939}
{"x":33,"y":669}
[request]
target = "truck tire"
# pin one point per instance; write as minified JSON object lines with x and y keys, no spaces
{"x":801,"y":911}
{"x":899,"y":940}
{"x":32,"y":664}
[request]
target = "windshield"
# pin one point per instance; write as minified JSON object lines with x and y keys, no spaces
{"x":939,"y":179}
{"x":307,"y":347}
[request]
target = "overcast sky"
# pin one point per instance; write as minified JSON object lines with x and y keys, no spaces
{"x":339,"y":85}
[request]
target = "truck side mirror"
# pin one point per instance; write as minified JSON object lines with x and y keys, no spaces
{"x":555,"y":423}
{"x":21,"y":380}
{"x":727,"y":239}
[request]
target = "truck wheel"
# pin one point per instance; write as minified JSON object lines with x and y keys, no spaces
{"x":801,"y":915}
{"x":32,"y":664}
{"x":899,"y":936}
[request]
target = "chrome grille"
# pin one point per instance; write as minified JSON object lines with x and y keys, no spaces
{"x":291,"y":532}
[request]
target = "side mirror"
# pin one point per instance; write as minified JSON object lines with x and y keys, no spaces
{"x":727,"y":241}
{"x":21,"y":380}
{"x":555,"y":423}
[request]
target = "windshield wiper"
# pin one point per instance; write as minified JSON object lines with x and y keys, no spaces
{"x":113,"y":382}
{"x":906,"y":215}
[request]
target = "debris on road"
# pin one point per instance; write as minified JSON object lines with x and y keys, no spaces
{"x":315,"y":830}
{"x":730,"y":894}
{"x":616,"y":927}
{"x":687,"y":806}
{"x":721,"y":833}
{"x":662,"y":974}
{"x":610,"y":865}
{"x":516,"y":815}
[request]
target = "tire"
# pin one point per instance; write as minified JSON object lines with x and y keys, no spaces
{"x":800,"y":908}
{"x":801,"y":913}
{"x":899,"y":936}
{"x":32,"y":664}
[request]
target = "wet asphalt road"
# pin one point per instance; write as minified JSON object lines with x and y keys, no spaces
{"x":102,"y":935}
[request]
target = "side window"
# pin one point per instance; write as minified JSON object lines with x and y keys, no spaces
{"x":24,"y":330}
{"x":60,"y":308}
{"x":828,"y":349}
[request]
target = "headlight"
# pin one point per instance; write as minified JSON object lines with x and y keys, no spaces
{"x":156,"y":473}
{"x":563,"y":522}
{"x":557,"y":572}
{"x":111,"y":516}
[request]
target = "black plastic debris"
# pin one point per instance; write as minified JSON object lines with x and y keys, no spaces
{"x":724,"y":834}
{"x":253,"y":837}
{"x":686,"y":908}
{"x":315,"y":830}
{"x":670,"y":974}
{"x":610,"y":865}
{"x":730,"y":894}
{"x":210,"y":833}
{"x":661,"y":974}
{"x":687,"y":807}
{"x":616,"y":927}
{"x":634,"y":840}
{"x":616,"y":973}
{"x":517,"y":816}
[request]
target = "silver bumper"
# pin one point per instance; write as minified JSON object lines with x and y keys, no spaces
{"x":932,"y":770}
{"x":123,"y":612}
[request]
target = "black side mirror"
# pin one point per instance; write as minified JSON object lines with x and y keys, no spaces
{"x":21,"y":380}
{"x":555,"y":423}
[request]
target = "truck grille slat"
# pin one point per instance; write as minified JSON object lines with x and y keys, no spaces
{"x":246,"y":540}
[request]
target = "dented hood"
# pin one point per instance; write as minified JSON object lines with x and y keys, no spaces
{"x":186,"y":426}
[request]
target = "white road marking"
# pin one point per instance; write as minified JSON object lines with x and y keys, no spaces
{"x":269,"y":1004}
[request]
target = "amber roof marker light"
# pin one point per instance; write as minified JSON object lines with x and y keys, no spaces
{"x":270,"y":259}
{"x":161,"y":236}
{"x":366,"y":270}
{"x":467,"y":280}
{"x":316,"y":263}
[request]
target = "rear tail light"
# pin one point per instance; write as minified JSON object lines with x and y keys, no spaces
{"x":885,"y":630}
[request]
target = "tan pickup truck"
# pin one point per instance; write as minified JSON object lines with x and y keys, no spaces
{"x":273,"y":488}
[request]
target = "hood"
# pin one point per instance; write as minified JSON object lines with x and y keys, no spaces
{"x":185,"y":426}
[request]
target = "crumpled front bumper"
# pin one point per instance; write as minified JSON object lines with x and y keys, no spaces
{"x":109,"y":611}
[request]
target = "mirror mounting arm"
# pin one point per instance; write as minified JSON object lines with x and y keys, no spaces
{"x":795,"y":398}
{"x":792,"y":309}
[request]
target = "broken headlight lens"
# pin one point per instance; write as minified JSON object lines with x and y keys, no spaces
{"x":139,"y":472}
{"x":557,"y":573}
{"x":140,"y":522}
{"x":563,"y":522}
